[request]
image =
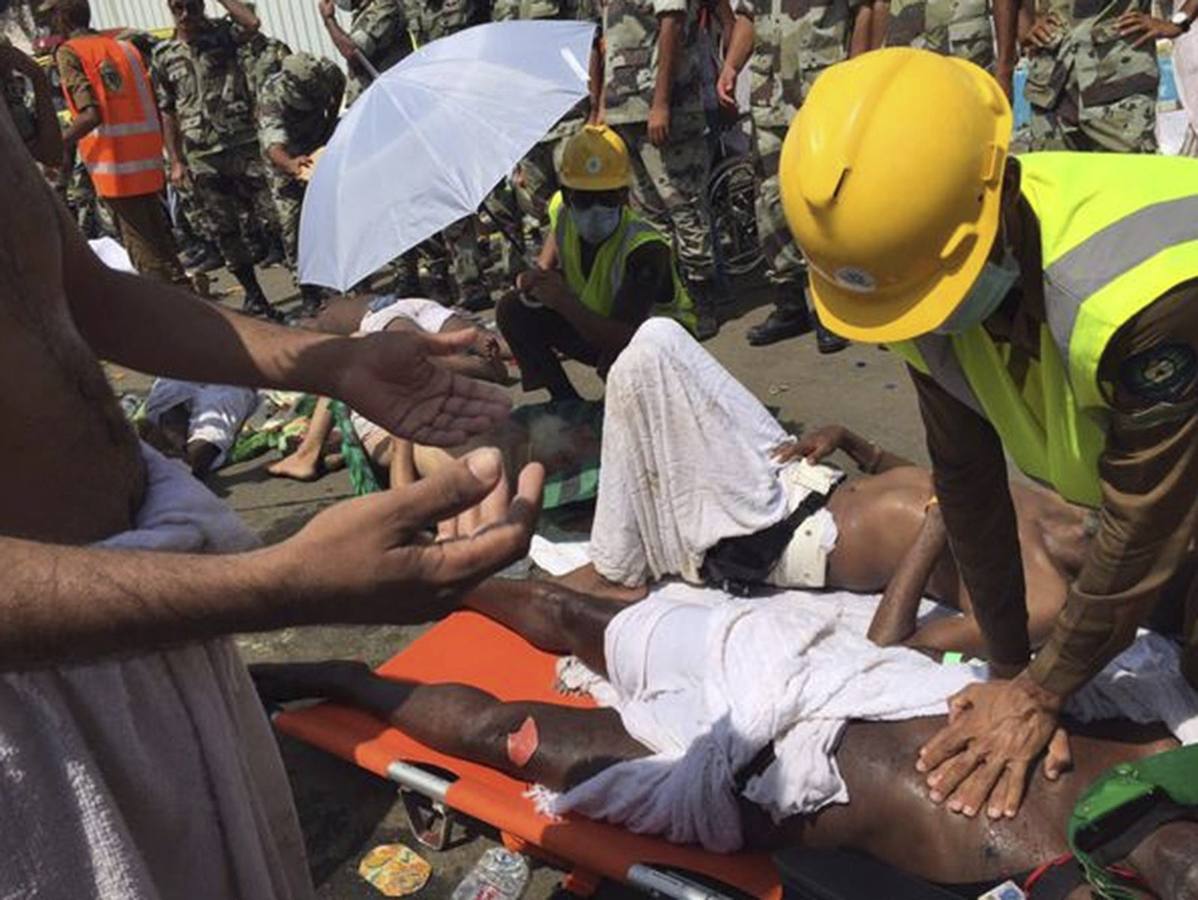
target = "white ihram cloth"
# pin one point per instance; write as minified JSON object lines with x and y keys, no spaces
{"x":685,"y":461}
{"x":216,"y":412}
{"x":154,"y":775}
{"x":427,"y":315}
{"x":706,"y":681}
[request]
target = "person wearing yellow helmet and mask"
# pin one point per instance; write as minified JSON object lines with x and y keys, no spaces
{"x":1047,"y":306}
{"x":602,"y":272}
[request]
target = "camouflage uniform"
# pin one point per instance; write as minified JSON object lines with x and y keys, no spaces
{"x":203,"y":86}
{"x":1092,"y":90}
{"x":793,"y":44}
{"x":261,"y":57}
{"x":538,"y":170}
{"x":380,"y":30}
{"x":669,"y":182}
{"x":297,"y":108}
{"x":438,"y":19}
{"x":962,"y":28}
{"x":19,"y":101}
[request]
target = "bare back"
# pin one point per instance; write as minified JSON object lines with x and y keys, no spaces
{"x":70,"y":471}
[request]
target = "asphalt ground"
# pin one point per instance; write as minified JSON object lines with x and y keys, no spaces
{"x":344,"y":811}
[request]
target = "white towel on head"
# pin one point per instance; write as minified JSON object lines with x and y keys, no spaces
{"x":706,"y":681}
{"x":150,"y":776}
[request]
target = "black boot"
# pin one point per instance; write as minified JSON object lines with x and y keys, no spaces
{"x":706,"y":324}
{"x":825,"y":341}
{"x":786,"y":321}
{"x":475,"y":299}
{"x":311,"y":301}
{"x":209,"y":260}
{"x":255,"y":303}
{"x":275,"y":255}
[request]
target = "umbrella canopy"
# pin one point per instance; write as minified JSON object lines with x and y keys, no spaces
{"x":427,"y":141}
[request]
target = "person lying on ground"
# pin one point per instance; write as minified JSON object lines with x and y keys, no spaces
{"x":127,"y":721}
{"x":697,"y":479}
{"x":197,"y":423}
{"x":602,"y":272}
{"x":365,"y":314}
{"x":660,"y":761}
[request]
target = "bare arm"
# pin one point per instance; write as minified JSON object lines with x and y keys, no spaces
{"x":879,"y":24}
{"x":861,"y":39}
{"x":84,"y":124}
{"x":358,"y":562}
{"x":669,"y":51}
{"x":1006,"y":19}
{"x":895,"y":620}
{"x":595,"y":73}
{"x":283,"y":161}
{"x":241,"y":14}
{"x":342,"y":41}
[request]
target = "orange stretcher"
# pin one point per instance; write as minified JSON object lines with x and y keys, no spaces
{"x":470,"y":649}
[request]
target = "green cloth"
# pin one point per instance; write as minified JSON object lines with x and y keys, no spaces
{"x":361,"y":473}
{"x":580,"y":482}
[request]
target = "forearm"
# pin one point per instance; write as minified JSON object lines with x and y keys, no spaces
{"x":897,"y":614}
{"x":154,"y":327}
{"x":608,"y":336}
{"x":861,"y":40}
{"x":879,"y":24}
{"x":669,"y":49}
{"x":595,"y":69}
{"x":740,"y":45}
{"x":869,"y":456}
{"x":342,"y":41}
{"x":970,"y":476}
{"x":85,"y":123}
{"x":241,"y":14}
{"x":1006,"y":21}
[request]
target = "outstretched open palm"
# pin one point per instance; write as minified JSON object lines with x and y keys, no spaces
{"x":394,"y":380}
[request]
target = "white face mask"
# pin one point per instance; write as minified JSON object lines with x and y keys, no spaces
{"x":596,"y":223}
{"x":986,"y":295}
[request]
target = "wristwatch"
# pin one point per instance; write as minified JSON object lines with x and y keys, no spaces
{"x":1182,"y":20}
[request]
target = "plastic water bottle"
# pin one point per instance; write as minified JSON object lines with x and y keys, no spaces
{"x":499,"y":875}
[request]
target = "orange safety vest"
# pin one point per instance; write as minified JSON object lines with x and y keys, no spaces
{"x":123,"y":154}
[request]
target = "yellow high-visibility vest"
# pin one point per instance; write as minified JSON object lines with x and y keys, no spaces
{"x":597,"y":291}
{"x":1117,"y":231}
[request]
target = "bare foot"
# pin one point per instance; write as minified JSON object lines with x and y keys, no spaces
{"x":586,"y":580}
{"x":283,"y":682}
{"x":297,"y":468}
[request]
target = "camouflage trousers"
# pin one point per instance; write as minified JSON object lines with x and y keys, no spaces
{"x":1124,"y":126}
{"x":784,"y":263}
{"x":669,"y":187}
{"x":536,"y":181}
{"x":289,"y":200}
{"x":465,"y":258}
{"x":231,"y":186}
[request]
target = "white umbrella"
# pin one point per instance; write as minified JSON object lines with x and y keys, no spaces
{"x":427,"y":141}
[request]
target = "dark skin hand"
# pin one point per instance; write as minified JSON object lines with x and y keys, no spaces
{"x":1149,"y":28}
{"x":1043,"y":32}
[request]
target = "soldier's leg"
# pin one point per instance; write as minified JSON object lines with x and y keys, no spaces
{"x":536,"y":184}
{"x":288,"y":195}
{"x":461,"y":239}
{"x":1125,"y":126}
{"x":146,"y":234}
{"x":222,"y":195}
{"x":670,"y":188}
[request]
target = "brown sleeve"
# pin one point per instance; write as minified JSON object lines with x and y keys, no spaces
{"x":1149,"y":475}
{"x":74,"y":79}
{"x":969,"y":471}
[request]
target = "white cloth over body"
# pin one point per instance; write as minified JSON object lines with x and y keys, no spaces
{"x":685,"y":460}
{"x":427,"y":315}
{"x":150,"y":776}
{"x":706,"y":681}
{"x":216,"y":412}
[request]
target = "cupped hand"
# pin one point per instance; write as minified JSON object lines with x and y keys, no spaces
{"x":393,"y":379}
{"x":981,"y":758}
{"x":373,"y":556}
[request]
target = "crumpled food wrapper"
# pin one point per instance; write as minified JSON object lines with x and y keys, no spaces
{"x":394,"y":870}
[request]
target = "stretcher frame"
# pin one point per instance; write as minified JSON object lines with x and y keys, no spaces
{"x":470,"y":649}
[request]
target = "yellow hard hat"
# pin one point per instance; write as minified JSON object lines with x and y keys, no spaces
{"x":595,"y":159}
{"x":891,"y":178}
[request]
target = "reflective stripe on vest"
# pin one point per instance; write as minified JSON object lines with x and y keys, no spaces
{"x":597,"y":291}
{"x":123,"y":154}
{"x":1117,"y":232}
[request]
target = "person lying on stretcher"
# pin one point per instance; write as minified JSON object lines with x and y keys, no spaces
{"x":698,"y":480}
{"x":562,"y":748}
